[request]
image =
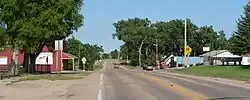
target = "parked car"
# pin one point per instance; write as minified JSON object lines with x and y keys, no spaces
{"x":150,"y":68}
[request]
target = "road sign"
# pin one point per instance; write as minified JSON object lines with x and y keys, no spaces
{"x":58,"y":44}
{"x":206,"y":48}
{"x":84,"y":60}
{"x":188,"y":50}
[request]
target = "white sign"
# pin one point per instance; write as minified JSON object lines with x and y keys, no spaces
{"x":59,"y":45}
{"x":84,"y":60}
{"x":206,"y":48}
{"x":45,"y":58}
{"x":3,"y":60}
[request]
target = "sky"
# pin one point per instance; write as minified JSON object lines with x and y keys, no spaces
{"x":99,"y":15}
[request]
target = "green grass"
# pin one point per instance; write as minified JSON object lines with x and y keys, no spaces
{"x":98,"y":65}
{"x":131,"y":67}
{"x":52,"y":77}
{"x":230,"y":72}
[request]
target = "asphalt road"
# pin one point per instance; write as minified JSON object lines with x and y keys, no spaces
{"x":120,"y":84}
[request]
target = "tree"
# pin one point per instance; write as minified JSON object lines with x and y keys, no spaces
{"x":240,"y":41}
{"x":32,"y":24}
{"x":91,"y":52}
{"x":140,"y":36}
{"x":105,"y":56}
{"x":135,"y":31}
{"x":114,"y":54}
{"x":222,"y":42}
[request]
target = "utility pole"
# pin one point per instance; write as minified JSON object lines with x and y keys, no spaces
{"x":118,"y":56}
{"x":185,"y":43}
{"x":79,"y":49}
{"x":127,"y":56}
{"x":156,"y":53}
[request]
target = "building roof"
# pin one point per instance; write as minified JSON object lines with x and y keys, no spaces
{"x":227,"y":55}
{"x":68,"y":56}
{"x":213,"y":53}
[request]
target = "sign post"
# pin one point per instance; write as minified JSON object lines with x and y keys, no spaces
{"x":83,"y":63}
{"x":58,"y":47}
{"x":187,"y":51}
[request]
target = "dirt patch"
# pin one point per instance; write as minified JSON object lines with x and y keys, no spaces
{"x":38,"y":89}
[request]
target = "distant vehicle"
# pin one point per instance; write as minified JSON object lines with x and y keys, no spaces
{"x":149,"y":68}
{"x":116,"y":66}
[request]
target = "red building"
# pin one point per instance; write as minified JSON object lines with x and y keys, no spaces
{"x":45,"y":62}
{"x":5,"y":57}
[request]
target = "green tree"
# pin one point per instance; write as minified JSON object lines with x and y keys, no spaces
{"x":91,"y":52}
{"x":32,"y":24}
{"x":135,"y":31}
{"x":105,"y":56}
{"x":240,"y":41}
{"x":169,"y":35}
{"x":222,"y":42}
{"x":114,"y":54}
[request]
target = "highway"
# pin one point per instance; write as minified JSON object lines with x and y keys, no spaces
{"x":122,"y":84}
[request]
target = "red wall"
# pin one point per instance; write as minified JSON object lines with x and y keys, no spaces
{"x":20,"y":57}
{"x":53,"y":67}
{"x":43,"y":68}
{"x":7,"y":53}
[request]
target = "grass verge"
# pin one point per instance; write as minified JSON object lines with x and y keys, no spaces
{"x":131,"y":67}
{"x":231,"y":72}
{"x":98,"y":65}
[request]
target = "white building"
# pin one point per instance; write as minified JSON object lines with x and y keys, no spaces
{"x":221,"y":57}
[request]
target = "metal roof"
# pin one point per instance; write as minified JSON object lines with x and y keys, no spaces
{"x":213,"y":53}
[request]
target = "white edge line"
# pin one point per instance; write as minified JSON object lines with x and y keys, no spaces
{"x":99,"y":96}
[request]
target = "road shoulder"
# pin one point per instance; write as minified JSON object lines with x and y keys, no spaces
{"x":236,"y":83}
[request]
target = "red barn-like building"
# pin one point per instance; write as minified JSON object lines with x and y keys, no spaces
{"x":45,"y":62}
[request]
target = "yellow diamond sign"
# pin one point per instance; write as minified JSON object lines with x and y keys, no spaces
{"x":188,"y":50}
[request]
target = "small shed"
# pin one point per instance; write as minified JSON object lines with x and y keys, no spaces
{"x":220,"y":57}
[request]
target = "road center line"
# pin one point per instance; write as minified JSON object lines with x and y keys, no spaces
{"x":99,"y":96}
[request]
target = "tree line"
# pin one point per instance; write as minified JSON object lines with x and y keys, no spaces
{"x":32,"y":24}
{"x":92,"y":53}
{"x":141,"y":37}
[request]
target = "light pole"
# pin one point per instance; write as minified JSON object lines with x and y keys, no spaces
{"x":185,"y":43}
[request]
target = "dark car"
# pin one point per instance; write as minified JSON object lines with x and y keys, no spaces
{"x":116,"y":66}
